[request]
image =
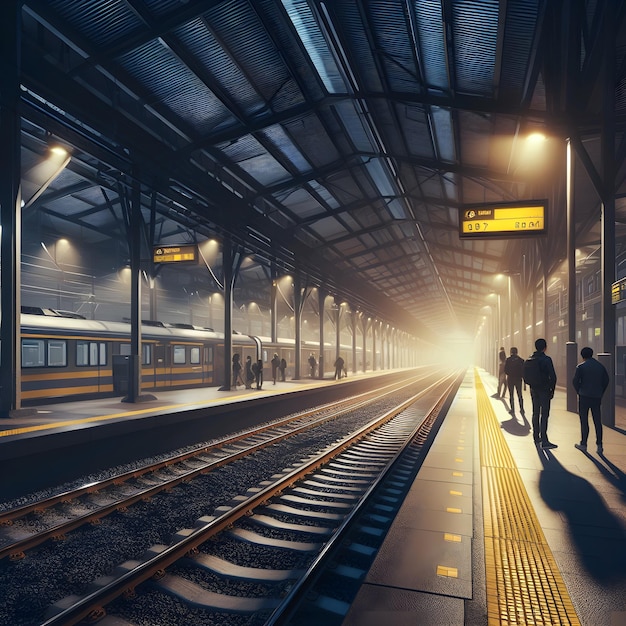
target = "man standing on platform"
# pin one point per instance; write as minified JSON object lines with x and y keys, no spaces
{"x":513,"y":368}
{"x":590,"y":381}
{"x":539,"y":374}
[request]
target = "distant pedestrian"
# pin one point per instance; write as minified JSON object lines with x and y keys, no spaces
{"x":237,"y":380}
{"x":339,"y":366}
{"x":539,"y":374}
{"x":590,"y":381}
{"x":312,"y":365}
{"x":501,"y":373}
{"x":275,"y":365}
{"x":282,"y":367}
{"x":249,"y":374}
{"x":514,"y":369}
{"x":257,"y":368}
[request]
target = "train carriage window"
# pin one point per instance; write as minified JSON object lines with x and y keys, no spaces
{"x":125,"y":349}
{"x":57,"y":353}
{"x":194,"y":356}
{"x":178,"y":355}
{"x":146,"y":353}
{"x":91,"y":353}
{"x":33,"y":353}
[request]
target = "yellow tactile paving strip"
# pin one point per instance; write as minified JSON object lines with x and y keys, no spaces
{"x":524,"y":585}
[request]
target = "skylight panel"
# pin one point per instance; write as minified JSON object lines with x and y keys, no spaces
{"x":379,"y":176}
{"x":442,"y":124}
{"x":378,"y":172}
{"x":315,"y":44}
{"x":353,"y":123}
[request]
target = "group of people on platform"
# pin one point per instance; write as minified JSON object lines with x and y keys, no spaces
{"x":252,"y":373}
{"x":590,"y":382}
{"x":339,"y":365}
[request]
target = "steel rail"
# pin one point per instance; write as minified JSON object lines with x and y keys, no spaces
{"x":156,"y":560}
{"x":16,"y":550}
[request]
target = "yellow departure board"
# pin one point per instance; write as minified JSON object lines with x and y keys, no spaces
{"x":618,"y":291}
{"x":512,"y":220}
{"x":175,"y":254}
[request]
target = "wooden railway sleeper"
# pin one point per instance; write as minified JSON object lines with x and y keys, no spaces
{"x":95,"y":616}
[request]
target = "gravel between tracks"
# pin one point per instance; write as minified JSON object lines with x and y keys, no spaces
{"x":55,"y":570}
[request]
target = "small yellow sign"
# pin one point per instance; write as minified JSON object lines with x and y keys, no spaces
{"x":175,"y":254}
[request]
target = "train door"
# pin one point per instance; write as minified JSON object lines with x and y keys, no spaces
{"x":207,"y":365}
{"x":148,"y":366}
{"x":218,"y":365}
{"x":162,"y":365}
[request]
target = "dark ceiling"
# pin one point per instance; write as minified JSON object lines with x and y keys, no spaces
{"x":337,"y":139}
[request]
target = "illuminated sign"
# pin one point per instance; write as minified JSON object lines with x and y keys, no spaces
{"x":618,"y":291}
{"x":174,"y":254}
{"x":504,"y":220}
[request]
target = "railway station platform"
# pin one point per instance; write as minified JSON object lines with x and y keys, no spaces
{"x":493,"y":531}
{"x":498,"y":531}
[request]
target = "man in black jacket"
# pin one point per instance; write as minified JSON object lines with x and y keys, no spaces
{"x":514,"y":368}
{"x":590,"y":381}
{"x":540,"y":375}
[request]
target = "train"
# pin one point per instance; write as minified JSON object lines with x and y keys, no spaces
{"x":67,"y":357}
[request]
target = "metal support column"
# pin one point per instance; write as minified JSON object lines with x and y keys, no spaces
{"x":353,"y":326}
{"x":374,"y":324}
{"x":337,"y":310}
{"x":10,"y":208}
{"x":608,"y":208}
{"x":298,"y":302}
{"x":273,"y":305}
{"x":134,"y":245}
{"x":572,"y":347}
{"x":364,"y":326}
{"x":321,"y":295}
{"x":229,"y":284}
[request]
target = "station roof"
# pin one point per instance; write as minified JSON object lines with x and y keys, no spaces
{"x":339,"y":139}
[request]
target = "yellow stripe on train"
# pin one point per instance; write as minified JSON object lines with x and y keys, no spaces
{"x":66,"y":391}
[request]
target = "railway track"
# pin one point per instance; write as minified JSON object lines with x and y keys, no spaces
{"x":313,"y":511}
{"x":51,"y":518}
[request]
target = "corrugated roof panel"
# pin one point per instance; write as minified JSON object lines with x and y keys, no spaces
{"x":431,"y":43}
{"x":174,"y":85}
{"x":328,"y":228}
{"x":252,"y":157}
{"x":160,"y":8}
{"x":358,"y":48}
{"x":442,"y":124}
{"x":202,"y":44}
{"x":68,"y":206}
{"x":354,"y":126}
{"x":101,"y":21}
{"x":475,"y":42}
{"x":396,"y":45}
{"x":521,"y":21}
{"x":279,"y":138}
{"x":416,"y":130}
{"x":475,"y":137}
{"x":301,"y":203}
{"x":311,"y":137}
{"x":237,"y":26}
{"x":315,"y":44}
{"x":323,"y":193}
